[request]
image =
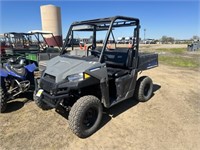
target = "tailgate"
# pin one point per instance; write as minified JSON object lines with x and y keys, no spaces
{"x":147,"y":61}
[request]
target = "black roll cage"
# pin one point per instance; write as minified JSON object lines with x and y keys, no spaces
{"x":37,"y":36}
{"x":26,"y":36}
{"x":106,"y":24}
{"x":22,"y":35}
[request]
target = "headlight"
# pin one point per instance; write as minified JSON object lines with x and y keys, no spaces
{"x":77,"y":77}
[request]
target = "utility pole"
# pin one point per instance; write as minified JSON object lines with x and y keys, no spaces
{"x":144,"y":33}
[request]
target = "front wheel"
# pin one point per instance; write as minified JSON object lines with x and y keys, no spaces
{"x":85,"y":116}
{"x":3,"y":100}
{"x":40,"y":103}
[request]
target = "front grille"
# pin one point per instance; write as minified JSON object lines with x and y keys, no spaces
{"x":49,"y":77}
{"x":47,"y":85}
{"x":49,"y":101}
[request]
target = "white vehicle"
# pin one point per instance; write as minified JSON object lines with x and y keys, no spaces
{"x":128,"y":39}
{"x":120,"y":40}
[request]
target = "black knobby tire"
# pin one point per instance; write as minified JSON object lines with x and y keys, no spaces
{"x":40,"y":103}
{"x":144,"y":89}
{"x":3,"y":100}
{"x":85,"y":116}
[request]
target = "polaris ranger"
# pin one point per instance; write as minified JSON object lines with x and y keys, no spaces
{"x":101,"y":77}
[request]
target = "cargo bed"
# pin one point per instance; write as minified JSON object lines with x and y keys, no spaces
{"x":147,"y":61}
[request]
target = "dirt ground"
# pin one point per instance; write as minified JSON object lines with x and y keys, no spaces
{"x":169,"y":120}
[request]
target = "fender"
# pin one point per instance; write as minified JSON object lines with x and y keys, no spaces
{"x":11,"y":73}
{"x":3,"y":72}
{"x":31,"y":67}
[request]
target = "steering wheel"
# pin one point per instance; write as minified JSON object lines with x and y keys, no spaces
{"x":89,"y":49}
{"x":93,"y":52}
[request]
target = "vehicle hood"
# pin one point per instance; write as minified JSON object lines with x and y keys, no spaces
{"x":60,"y":67}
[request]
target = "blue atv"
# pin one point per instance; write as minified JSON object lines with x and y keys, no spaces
{"x":17,"y":76}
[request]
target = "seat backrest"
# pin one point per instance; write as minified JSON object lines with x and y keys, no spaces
{"x":117,"y":59}
{"x":130,"y":57}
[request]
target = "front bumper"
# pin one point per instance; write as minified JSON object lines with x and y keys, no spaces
{"x":53,"y":93}
{"x":51,"y":100}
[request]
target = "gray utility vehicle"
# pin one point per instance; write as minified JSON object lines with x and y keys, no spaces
{"x":102,"y":78}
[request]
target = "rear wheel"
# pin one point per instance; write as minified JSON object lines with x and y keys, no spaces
{"x":85,"y":116}
{"x":3,"y":100}
{"x":144,"y":89}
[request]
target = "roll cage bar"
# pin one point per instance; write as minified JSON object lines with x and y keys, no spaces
{"x":20,"y":35}
{"x":37,"y":33}
{"x":105,"y":24}
{"x":26,"y":36}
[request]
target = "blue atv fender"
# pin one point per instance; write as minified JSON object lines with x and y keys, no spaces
{"x":3,"y":72}
{"x":31,"y":67}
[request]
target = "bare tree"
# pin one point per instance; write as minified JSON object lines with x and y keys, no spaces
{"x":166,"y":40}
{"x":195,"y":38}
